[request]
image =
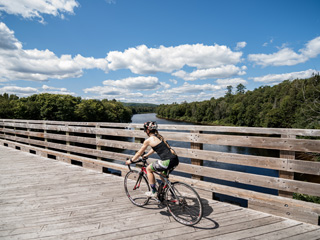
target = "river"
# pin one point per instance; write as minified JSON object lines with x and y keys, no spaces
{"x":142,"y":118}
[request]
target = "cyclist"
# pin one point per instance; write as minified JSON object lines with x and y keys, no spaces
{"x":168,"y":158}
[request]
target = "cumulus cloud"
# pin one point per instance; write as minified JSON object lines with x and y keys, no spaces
{"x":218,"y":72}
{"x":45,"y":87}
{"x":223,"y":83}
{"x":140,"y":83}
{"x":27,"y":91}
{"x":214,"y":61}
{"x":288,"y":57}
{"x":109,"y":92}
{"x":18,"y":90}
{"x":55,"y":90}
{"x":193,"y":88}
{"x":127,"y":86}
{"x":7,"y":39}
{"x":36,"y":8}
{"x":240,"y":45}
{"x":144,"y":60}
{"x":173,"y":81}
{"x":106,"y":90}
{"x":17,"y":63}
{"x":277,"y":78}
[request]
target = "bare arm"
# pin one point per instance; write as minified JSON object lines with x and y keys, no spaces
{"x":149,"y":153}
{"x":140,"y":152}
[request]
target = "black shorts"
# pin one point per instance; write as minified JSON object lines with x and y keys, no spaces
{"x":165,"y":166}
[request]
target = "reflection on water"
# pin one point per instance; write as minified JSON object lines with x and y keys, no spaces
{"x":142,"y":118}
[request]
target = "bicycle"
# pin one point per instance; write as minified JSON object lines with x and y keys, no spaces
{"x":182,"y":201}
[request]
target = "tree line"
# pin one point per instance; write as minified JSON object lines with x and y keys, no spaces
{"x":290,"y":104}
{"x":59,"y":107}
{"x":138,"y":108}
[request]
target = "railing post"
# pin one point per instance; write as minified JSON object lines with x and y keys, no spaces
{"x":45,"y":134}
{"x":284,"y":174}
{"x":67,"y":138}
{"x":195,"y":161}
{"x":4,"y":131}
{"x":28,"y":130}
{"x":98,"y":137}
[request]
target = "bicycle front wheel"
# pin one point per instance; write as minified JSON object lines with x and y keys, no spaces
{"x":136,"y":185}
{"x":184,"y":204}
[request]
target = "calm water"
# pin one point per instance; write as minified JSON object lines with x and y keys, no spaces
{"x":142,"y":118}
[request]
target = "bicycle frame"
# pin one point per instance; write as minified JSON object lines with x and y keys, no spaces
{"x":171,"y":194}
{"x":164,"y":179}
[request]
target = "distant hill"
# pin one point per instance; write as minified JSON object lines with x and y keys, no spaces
{"x":139,"y":104}
{"x":141,"y":107}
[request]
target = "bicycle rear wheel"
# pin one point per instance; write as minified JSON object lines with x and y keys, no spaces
{"x":184,"y":204}
{"x":136,"y":186}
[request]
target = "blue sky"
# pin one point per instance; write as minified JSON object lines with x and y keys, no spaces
{"x":155,"y":51}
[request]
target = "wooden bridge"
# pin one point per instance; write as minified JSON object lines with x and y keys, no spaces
{"x":43,"y":196}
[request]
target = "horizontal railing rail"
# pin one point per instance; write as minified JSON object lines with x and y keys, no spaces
{"x":97,"y":145}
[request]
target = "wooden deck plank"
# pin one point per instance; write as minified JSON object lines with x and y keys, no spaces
{"x":287,"y":232}
{"x":43,"y":198}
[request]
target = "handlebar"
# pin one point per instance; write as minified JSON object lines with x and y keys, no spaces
{"x":141,"y":159}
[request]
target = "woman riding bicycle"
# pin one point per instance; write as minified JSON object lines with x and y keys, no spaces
{"x":169,"y":159}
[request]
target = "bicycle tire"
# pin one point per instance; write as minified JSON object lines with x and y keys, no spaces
{"x":136,"y":186}
{"x":187,"y":209}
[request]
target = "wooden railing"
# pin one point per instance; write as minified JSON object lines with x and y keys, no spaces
{"x":100,"y":146}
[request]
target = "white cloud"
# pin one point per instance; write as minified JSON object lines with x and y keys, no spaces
{"x":126,"y":88}
{"x":55,"y":90}
{"x":165,"y":85}
{"x":173,"y":81}
{"x":240,"y":45}
{"x":7,"y":39}
{"x":286,"y":56}
{"x":223,"y":83}
{"x":36,"y":8}
{"x":140,"y":83}
{"x":218,"y":72}
{"x":39,"y":65}
{"x":277,"y":78}
{"x":27,"y":91}
{"x":45,"y":87}
{"x":144,"y":60}
{"x":18,"y":90}
{"x":312,"y":48}
{"x":106,"y":90}
{"x":193,"y":88}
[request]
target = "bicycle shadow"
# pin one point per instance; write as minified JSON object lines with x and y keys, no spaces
{"x":206,"y":223}
{"x":209,"y":223}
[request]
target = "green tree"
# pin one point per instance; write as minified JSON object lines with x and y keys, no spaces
{"x":91,"y":111}
{"x":241,"y":89}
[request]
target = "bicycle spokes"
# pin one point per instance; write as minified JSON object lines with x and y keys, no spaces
{"x":184,"y":204}
{"x":135,"y":187}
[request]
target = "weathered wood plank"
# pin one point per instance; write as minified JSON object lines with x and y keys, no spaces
{"x":286,"y":232}
{"x":57,"y":206}
{"x":242,"y":141}
{"x":251,"y":179}
{"x":36,"y":133}
{"x":284,"y":164}
{"x":246,"y":194}
{"x":251,"y":130}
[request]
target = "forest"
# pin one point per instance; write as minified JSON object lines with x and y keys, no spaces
{"x":138,"y":108}
{"x":290,"y":104}
{"x":59,"y":107}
